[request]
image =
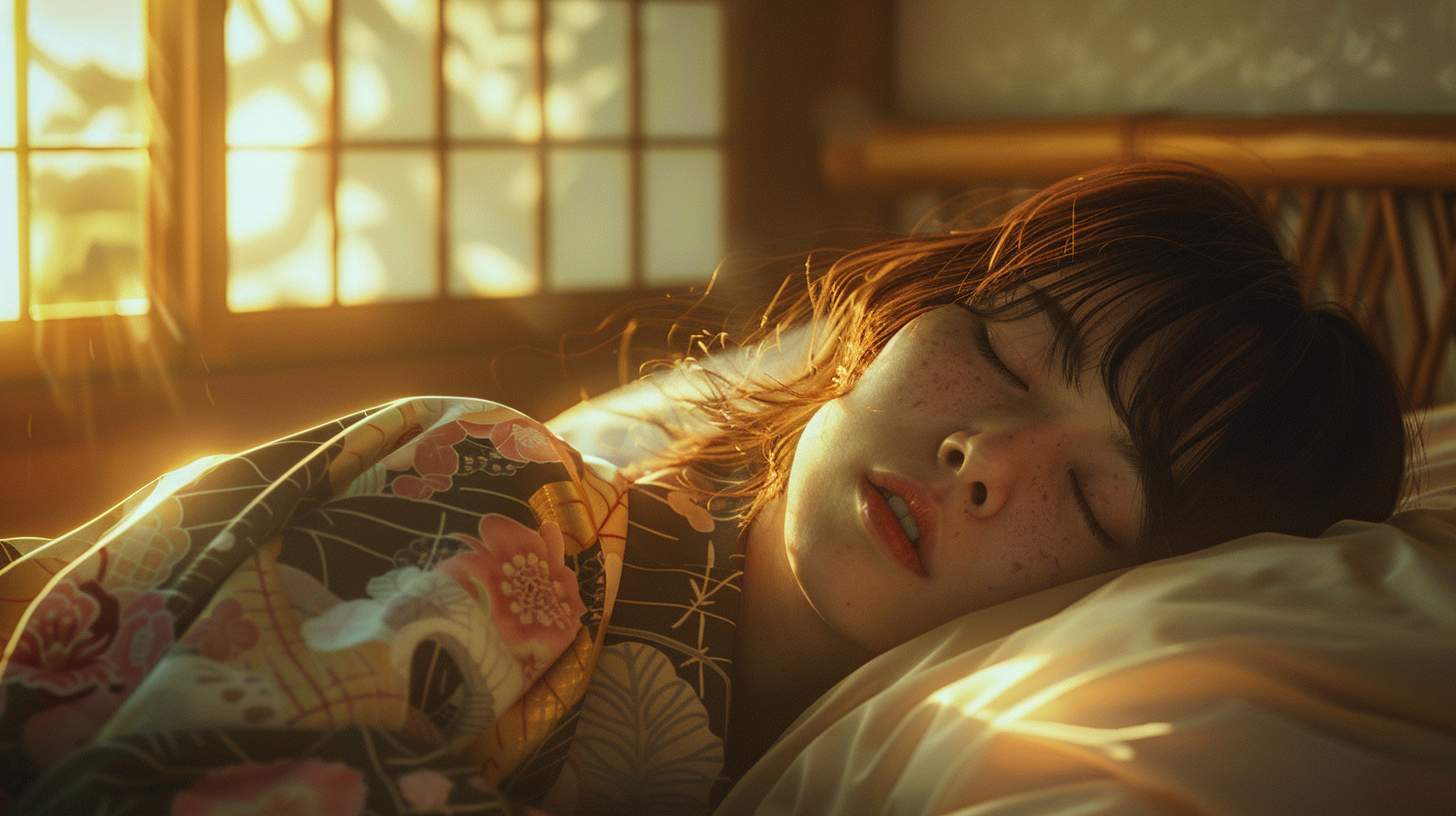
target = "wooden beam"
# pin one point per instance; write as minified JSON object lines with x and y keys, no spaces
{"x":1353,"y":149}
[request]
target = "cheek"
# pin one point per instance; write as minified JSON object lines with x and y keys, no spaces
{"x":935,"y":380}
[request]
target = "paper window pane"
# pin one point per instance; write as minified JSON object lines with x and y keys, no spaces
{"x":490,"y":69}
{"x":279,"y":82}
{"x":589,"y":219}
{"x":682,"y":67}
{"x":9,"y":240}
{"x":7,"y":75}
{"x":494,"y":196}
{"x":683,"y":215}
{"x":86,"y":78}
{"x":387,"y":81}
{"x":387,"y":219}
{"x":86,"y":236}
{"x":280,"y":237}
{"x":586,"y":59}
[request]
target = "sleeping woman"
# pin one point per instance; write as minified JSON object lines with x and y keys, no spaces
{"x":439,"y":605}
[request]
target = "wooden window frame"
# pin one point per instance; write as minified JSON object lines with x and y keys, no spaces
{"x":189,"y":325}
{"x":222,"y":337}
{"x":775,"y":201}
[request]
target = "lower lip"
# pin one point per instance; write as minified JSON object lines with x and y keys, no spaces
{"x":885,"y":529}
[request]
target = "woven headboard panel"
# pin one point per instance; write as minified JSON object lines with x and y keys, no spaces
{"x":1365,"y":204}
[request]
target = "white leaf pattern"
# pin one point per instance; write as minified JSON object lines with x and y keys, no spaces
{"x":642,"y":740}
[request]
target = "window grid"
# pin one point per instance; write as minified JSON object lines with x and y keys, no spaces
{"x":27,"y":149}
{"x":444,"y":145}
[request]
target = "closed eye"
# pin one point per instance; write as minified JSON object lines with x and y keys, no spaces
{"x":983,"y":342}
{"x":1103,"y":537}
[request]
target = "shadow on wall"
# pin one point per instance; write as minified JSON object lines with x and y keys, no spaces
{"x":1026,"y":58}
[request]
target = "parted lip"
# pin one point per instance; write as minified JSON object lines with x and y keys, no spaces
{"x":922,"y":508}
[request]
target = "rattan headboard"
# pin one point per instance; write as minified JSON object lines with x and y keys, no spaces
{"x":1365,"y":204}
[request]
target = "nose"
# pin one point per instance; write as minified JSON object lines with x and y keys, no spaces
{"x":984,"y":467}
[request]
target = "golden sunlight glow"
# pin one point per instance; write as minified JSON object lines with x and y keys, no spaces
{"x":260,"y":191}
{"x":489,"y":63}
{"x":78,"y":34}
{"x":313,"y":76}
{"x":50,"y":98}
{"x":973,"y":694}
{"x":366,"y":94}
{"x":279,"y":80}
{"x":86,"y":73}
{"x":1114,"y":742}
{"x":7,"y":74}
{"x":489,"y":272}
{"x":388,"y":211}
{"x":587,"y":55}
{"x":977,"y":697}
{"x":299,"y":278}
{"x":361,"y":271}
{"x":107,"y":127}
{"x":9,"y":241}
{"x":87,"y":253}
{"x":281,"y":19}
{"x":243,"y":34}
{"x":565,"y":114}
{"x":270,"y":117}
{"x":105,"y":308}
{"x":280,"y":234}
{"x":360,"y":207}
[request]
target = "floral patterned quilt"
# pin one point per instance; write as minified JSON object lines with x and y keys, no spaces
{"x":432,"y":606}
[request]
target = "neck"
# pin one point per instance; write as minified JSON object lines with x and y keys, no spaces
{"x":784,"y":655}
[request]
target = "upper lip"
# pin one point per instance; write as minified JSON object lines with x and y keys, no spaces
{"x":922,"y":508}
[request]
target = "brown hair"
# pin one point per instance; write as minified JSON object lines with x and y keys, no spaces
{"x":1251,"y":411}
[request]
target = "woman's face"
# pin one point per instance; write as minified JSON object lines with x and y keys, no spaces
{"x":961,"y":471}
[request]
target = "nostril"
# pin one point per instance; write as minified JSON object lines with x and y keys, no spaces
{"x":978,"y":494}
{"x":955,"y":459}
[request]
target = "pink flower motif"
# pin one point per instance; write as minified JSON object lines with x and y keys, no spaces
{"x":425,"y":790}
{"x":144,"y":634}
{"x":93,"y":691}
{"x":523,"y":440}
{"x":435,"y":460}
{"x":61,"y":647}
{"x":224,"y":633}
{"x":433,"y":457}
{"x":310,"y":786}
{"x":534,"y":595}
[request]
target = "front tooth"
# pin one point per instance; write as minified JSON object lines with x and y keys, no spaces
{"x":898,"y":505}
{"x":907,"y":520}
{"x":912,"y":531}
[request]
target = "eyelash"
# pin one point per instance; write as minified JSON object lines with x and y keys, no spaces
{"x":983,"y":342}
{"x":1103,"y":537}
